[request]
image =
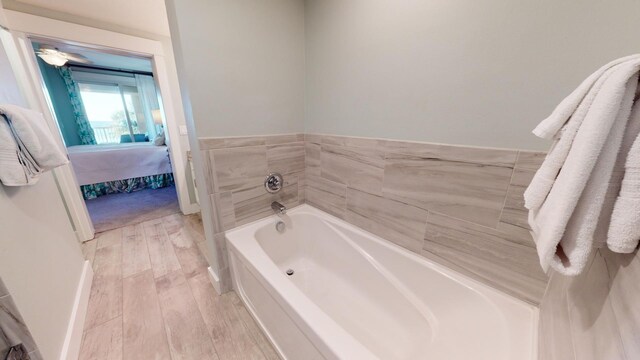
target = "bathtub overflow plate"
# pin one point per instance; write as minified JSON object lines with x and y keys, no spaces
{"x":289,"y":272}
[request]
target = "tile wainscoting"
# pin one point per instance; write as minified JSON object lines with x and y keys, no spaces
{"x":460,"y":206}
{"x":457,"y":205}
{"x":235,"y":169}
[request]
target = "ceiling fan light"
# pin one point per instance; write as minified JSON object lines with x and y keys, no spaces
{"x":54,"y":59}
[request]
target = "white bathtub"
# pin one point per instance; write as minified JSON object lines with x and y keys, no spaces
{"x":354,"y":295}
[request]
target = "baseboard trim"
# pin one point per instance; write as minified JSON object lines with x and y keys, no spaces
{"x":73,"y":340}
{"x":215,"y":280}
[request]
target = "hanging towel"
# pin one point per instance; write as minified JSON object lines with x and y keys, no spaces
{"x":624,"y":230}
{"x":26,"y":146}
{"x":550,"y":126}
{"x":631,"y":134}
{"x":567,"y":194}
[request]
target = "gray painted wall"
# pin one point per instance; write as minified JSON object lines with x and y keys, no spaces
{"x":460,"y":72}
{"x":243,"y":62}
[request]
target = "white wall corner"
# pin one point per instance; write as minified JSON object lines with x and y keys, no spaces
{"x":73,"y":340}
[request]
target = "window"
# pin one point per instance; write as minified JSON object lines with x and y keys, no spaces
{"x":114,"y":111}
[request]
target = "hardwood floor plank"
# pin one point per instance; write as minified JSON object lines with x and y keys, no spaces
{"x":161,"y":253}
{"x":188,"y":253}
{"x":105,"y":301}
{"x":230,"y":336}
{"x":135,"y":255}
{"x":108,"y":238}
{"x":186,"y":331}
{"x":253,"y":329}
{"x":173,"y":223}
{"x":143,"y":328}
{"x":104,"y":342}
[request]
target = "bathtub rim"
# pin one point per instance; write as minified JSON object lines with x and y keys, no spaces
{"x":235,"y":235}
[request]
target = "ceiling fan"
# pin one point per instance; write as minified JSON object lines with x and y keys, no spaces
{"x":53,"y":56}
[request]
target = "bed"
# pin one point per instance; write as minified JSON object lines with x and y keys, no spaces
{"x":104,"y":169}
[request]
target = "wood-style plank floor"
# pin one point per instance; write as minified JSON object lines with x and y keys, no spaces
{"x":152,"y":299}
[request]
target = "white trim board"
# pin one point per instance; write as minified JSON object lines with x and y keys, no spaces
{"x":73,"y":340}
{"x":215,"y":281}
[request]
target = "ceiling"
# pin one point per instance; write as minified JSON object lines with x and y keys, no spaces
{"x":143,"y":15}
{"x":103,"y":59}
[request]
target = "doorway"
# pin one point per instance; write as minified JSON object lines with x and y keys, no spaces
{"x":109,"y":115}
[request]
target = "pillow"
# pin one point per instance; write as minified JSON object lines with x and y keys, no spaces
{"x":159,"y":140}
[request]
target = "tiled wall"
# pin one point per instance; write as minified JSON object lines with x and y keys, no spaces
{"x":596,"y":315}
{"x":457,"y":205}
{"x":235,"y":169}
{"x":13,"y":330}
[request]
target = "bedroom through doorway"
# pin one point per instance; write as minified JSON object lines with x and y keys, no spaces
{"x":110,"y":117}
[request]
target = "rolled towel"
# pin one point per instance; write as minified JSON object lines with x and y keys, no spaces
{"x":549,"y":127}
{"x":624,"y":229}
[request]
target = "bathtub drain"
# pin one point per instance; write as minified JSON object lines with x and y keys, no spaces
{"x":289,"y":272}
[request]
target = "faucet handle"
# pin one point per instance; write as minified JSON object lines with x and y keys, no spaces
{"x":273,"y":183}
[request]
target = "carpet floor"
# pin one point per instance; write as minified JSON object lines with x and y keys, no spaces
{"x":117,"y":210}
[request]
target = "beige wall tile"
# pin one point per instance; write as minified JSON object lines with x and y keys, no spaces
{"x":530,"y":160}
{"x":483,"y":243}
{"x":327,"y":195}
{"x":398,"y":222}
{"x":143,"y":329}
{"x":223,"y":203}
{"x":240,"y":168}
{"x":527,"y":288}
{"x":469,"y":191}
{"x":312,"y":158}
{"x":255,"y":203}
{"x":231,"y":142}
{"x":283,"y":139}
{"x":313,"y":138}
{"x":514,"y":212}
{"x":286,"y":158}
{"x":209,"y":165}
{"x":467,"y":154}
{"x":357,"y":167}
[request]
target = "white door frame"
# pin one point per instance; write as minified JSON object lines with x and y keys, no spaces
{"x":23,"y":26}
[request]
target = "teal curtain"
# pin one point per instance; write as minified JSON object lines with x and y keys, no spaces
{"x":85,"y":132}
{"x":92,"y":191}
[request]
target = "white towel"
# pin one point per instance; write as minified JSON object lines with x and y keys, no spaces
{"x":632,"y":132}
{"x":564,"y":223}
{"x":26,"y":141}
{"x":550,"y":126}
{"x":624,"y":230}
